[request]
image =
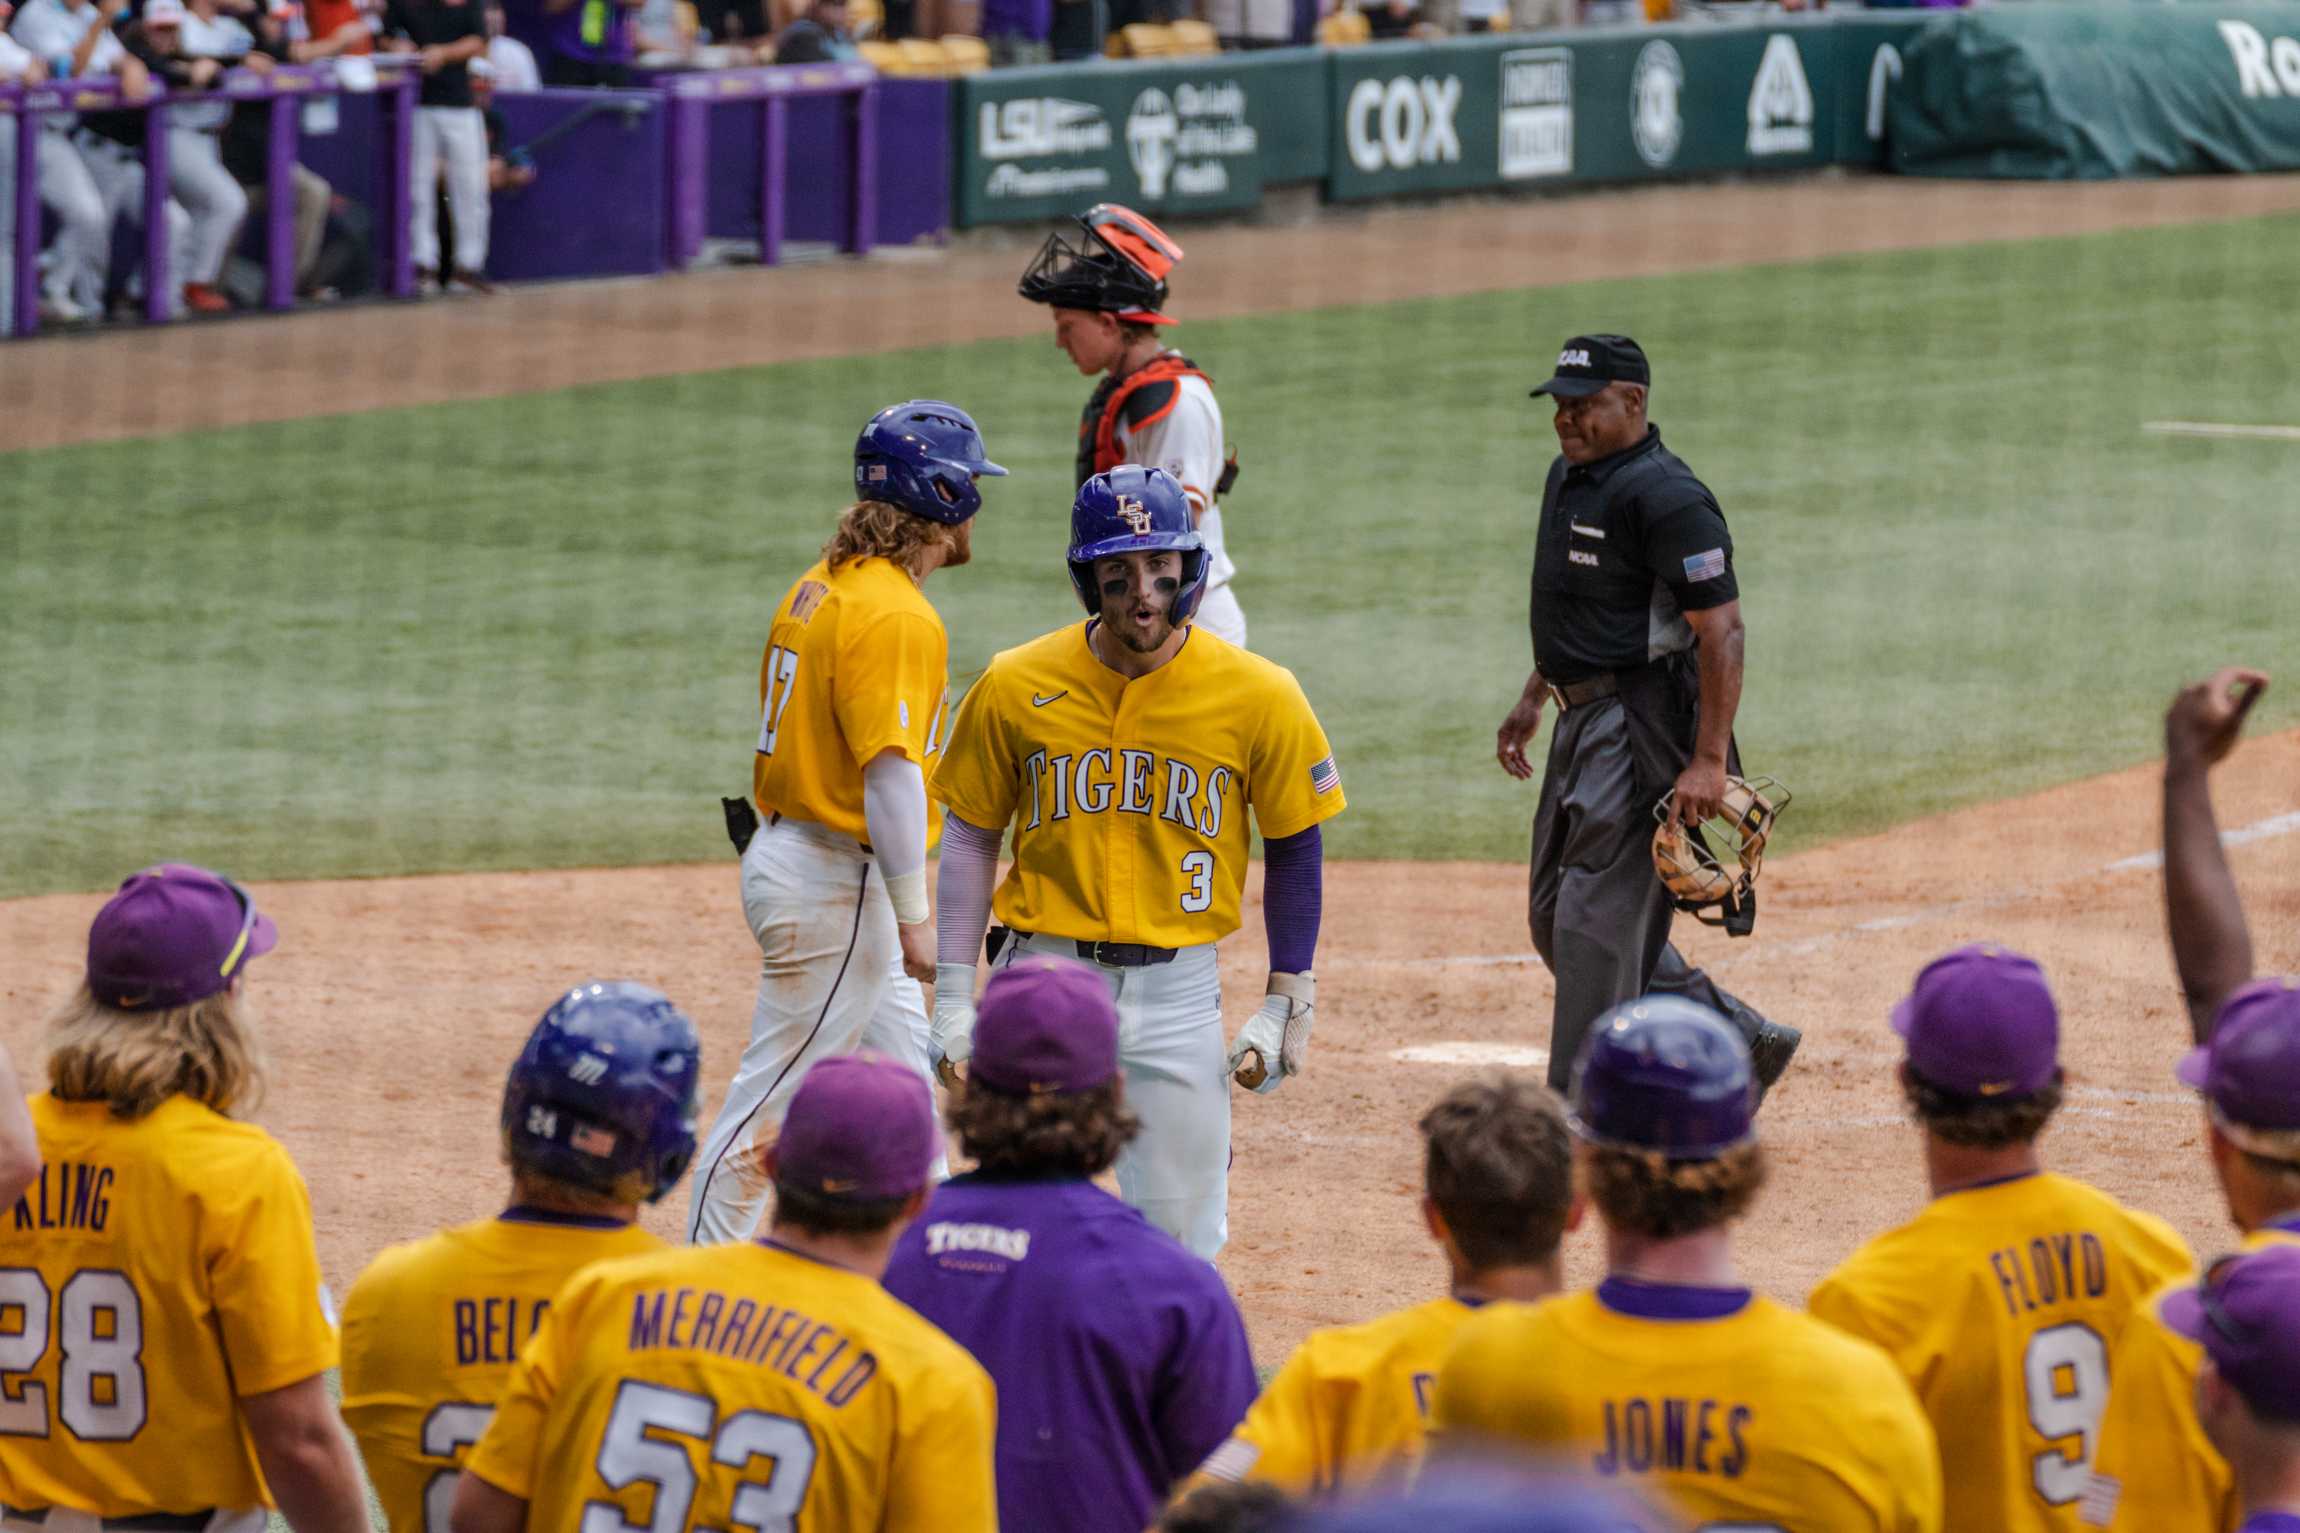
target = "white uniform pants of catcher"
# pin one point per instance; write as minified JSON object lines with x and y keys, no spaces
{"x":830,"y":982}
{"x":1172,"y":1050}
{"x":1220,"y":615}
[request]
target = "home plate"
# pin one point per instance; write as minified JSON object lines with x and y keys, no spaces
{"x":1516,"y":1056}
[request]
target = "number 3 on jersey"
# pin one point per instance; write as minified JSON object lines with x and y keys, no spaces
{"x":782,"y":672}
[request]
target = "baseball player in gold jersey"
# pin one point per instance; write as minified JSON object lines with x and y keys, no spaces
{"x":1126,"y":752}
{"x":2002,"y":1300}
{"x":2156,"y":1469}
{"x":1672,"y":1377}
{"x":164,"y":1333}
{"x":772,"y":1384}
{"x":598,"y":1117}
{"x":851,"y":714}
{"x":1350,"y":1407}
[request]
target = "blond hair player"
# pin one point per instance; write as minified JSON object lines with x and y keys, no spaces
{"x":1350,"y":1407}
{"x":2002,"y":1300}
{"x":1127,"y":752}
{"x":1673,"y":1377}
{"x":772,"y":1384}
{"x":171,"y":1338}
{"x":851,"y":713}
{"x":598,"y":1117}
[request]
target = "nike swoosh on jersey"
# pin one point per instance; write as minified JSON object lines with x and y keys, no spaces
{"x":1039,"y":702}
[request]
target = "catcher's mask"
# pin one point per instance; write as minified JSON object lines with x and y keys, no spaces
{"x":1120,"y":268}
{"x":1719,"y":890}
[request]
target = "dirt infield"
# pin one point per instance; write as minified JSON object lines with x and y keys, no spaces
{"x":188,"y":377}
{"x":393,"y":1006}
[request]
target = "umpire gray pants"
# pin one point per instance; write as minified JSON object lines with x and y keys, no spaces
{"x":1599,"y":914}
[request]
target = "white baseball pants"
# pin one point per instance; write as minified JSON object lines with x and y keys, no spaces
{"x":1220,"y":615}
{"x":83,"y":245}
{"x":830,"y":982}
{"x":453,"y":137}
{"x":118,"y":173}
{"x":1176,"y":1061}
{"x":216,"y":204}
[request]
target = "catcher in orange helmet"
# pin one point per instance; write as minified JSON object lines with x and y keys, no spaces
{"x":1154,"y":406}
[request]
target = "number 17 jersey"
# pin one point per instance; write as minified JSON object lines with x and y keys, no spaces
{"x":2001,"y":1305}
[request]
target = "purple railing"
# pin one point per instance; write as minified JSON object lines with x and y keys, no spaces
{"x":773,"y":88}
{"x":284,"y":88}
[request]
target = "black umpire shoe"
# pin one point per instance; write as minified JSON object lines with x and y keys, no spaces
{"x":1770,"y":1052}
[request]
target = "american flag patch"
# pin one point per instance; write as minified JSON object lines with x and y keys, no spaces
{"x":592,"y":1141}
{"x":1325,"y":777}
{"x":1706,"y":566}
{"x":875,"y":473}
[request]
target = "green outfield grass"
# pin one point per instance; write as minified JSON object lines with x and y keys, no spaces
{"x":525,"y":633}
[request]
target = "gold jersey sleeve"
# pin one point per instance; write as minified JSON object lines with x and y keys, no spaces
{"x":2156,"y":1469}
{"x":1130,"y":800}
{"x":742,"y":1386}
{"x":157,"y":1271}
{"x":1350,"y":1407}
{"x":430,"y":1333}
{"x":857,"y":663}
{"x":1765,"y":1419}
{"x":2000,"y":1305}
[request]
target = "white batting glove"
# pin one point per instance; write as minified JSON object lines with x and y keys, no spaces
{"x":950,"y":1041}
{"x":1275,"y":1042}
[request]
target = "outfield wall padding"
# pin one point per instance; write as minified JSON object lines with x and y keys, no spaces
{"x":2087,"y":93}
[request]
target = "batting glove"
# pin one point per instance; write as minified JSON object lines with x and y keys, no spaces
{"x":950,"y":1041}
{"x":1275,"y":1041}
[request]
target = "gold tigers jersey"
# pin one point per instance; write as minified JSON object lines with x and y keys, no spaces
{"x":430,"y":1331}
{"x":158,"y":1270}
{"x":742,"y":1386}
{"x":1349,"y":1408}
{"x":857,"y":663}
{"x":2156,"y":1470}
{"x":2001,"y":1304}
{"x":1759,"y":1419}
{"x":1128,"y":797}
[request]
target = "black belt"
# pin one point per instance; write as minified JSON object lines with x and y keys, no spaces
{"x":1114,"y":955}
{"x":148,"y":1522}
{"x":1576,"y":694}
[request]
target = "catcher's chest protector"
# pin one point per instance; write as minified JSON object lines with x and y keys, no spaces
{"x":1098,"y":450}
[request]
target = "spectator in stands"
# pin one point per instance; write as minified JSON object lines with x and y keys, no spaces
{"x":80,"y":181}
{"x":817,"y":37}
{"x":664,"y":37}
{"x":282,"y":32}
{"x":1252,"y":23}
{"x":1018,"y":31}
{"x":1119,"y":1357}
{"x":1543,"y":15}
{"x":742,"y":23}
{"x":450,"y":136}
{"x":2246,"y":1317}
{"x":1393,"y":18}
{"x":589,"y":42}
{"x":514,"y":61}
{"x":191,"y":49}
{"x":509,"y":168}
{"x":354,"y":22}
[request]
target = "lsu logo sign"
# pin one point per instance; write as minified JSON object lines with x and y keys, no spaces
{"x":1400,"y":123}
{"x":1032,"y":126}
{"x":1781,"y":101}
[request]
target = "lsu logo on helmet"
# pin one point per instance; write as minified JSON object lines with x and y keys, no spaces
{"x":1134,"y":514}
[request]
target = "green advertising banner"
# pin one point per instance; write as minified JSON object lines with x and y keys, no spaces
{"x":2066,"y":92}
{"x":1871,"y":51}
{"x":1609,"y":106}
{"x":1186,"y":135}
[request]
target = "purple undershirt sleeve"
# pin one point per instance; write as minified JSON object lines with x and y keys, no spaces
{"x":1293,"y":895}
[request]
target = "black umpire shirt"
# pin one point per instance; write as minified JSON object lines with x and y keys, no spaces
{"x":1628,"y":545}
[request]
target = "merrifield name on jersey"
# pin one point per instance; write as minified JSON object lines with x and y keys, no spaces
{"x":70,"y":1195}
{"x":806,"y":1351}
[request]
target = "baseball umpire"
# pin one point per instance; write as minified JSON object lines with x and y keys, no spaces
{"x":1153,"y":406}
{"x":1637,"y":635}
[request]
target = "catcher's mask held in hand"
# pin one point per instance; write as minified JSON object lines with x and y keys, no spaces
{"x":1719,"y":889}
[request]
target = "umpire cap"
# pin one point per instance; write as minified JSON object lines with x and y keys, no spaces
{"x":1667,"y":1074}
{"x":1587,"y":363}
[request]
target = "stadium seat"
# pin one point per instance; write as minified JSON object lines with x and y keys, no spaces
{"x":885,"y":57}
{"x":1195,"y":37}
{"x":965,"y":55}
{"x":1345,"y":29}
{"x":1143,"y":40}
{"x":924,"y":58}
